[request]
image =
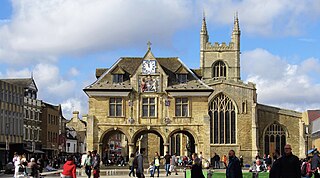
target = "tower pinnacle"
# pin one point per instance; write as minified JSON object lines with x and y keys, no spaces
{"x":204,"y":25}
{"x":236,"y":27}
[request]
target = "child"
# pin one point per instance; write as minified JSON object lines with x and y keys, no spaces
{"x":151,"y":169}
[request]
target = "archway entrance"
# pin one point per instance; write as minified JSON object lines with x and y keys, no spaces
{"x":274,"y":138}
{"x":114,"y":148}
{"x":151,"y":140}
{"x":182,"y":143}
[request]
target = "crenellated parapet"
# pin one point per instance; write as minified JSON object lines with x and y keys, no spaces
{"x":220,"y":46}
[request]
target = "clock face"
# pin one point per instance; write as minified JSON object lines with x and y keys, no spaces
{"x":149,"y":67}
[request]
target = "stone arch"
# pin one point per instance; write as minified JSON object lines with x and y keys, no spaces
{"x":274,"y":137}
{"x":115,"y":130}
{"x":192,"y":144}
{"x":142,"y":131}
{"x":224,"y":66}
{"x":212,"y":97}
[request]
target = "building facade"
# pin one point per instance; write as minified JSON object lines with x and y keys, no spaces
{"x":11,"y":120}
{"x":51,"y":117}
{"x":156,"y":101}
{"x":32,"y":109}
{"x":76,"y":134}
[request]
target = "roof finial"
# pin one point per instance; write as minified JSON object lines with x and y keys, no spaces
{"x":204,"y":24}
{"x":236,"y":22}
{"x":149,"y":45}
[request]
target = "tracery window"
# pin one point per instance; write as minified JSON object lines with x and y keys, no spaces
{"x":223,"y":121}
{"x":219,"y":70}
{"x":274,"y":138}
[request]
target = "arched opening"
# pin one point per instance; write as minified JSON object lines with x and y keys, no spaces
{"x":151,"y":140}
{"x":114,"y":148}
{"x":222,"y":113}
{"x":219,"y":70}
{"x":274,"y":138}
{"x":182,"y":143}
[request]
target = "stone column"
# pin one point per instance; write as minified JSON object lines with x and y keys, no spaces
{"x":131,"y":148}
{"x":90,"y":128}
{"x":255,"y":133}
{"x":166,"y":147}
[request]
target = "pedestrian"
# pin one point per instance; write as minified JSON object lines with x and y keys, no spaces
{"x":289,"y":164}
{"x":156,"y":164}
{"x":256,"y":168}
{"x":241,"y":161}
{"x":167,"y":158}
{"x":88,"y":164}
{"x":131,"y":167}
{"x":224,"y":160}
{"x":17,"y":166}
{"x":315,"y":164}
{"x":69,"y":168}
{"x":139,"y":172}
{"x":216,"y":160}
{"x":173,"y":164}
{"x":234,"y":168}
{"x":275,"y":169}
{"x":95,"y":164}
{"x":34,"y":167}
{"x":196,"y":167}
{"x":306,"y":171}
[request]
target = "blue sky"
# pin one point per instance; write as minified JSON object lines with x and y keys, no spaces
{"x":63,"y":41}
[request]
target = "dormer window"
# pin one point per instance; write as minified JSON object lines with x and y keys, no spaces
{"x":182,"y":78}
{"x":117,"y":78}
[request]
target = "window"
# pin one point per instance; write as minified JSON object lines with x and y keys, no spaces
{"x":148,"y":107}
{"x":182,"y":78}
{"x":117,"y":78}
{"x":182,"y":107}
{"x":274,"y":138}
{"x":219,"y":70}
{"x":223,"y":121}
{"x":115,"y":107}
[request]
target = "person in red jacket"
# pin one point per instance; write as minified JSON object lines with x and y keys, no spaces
{"x":69,"y":168}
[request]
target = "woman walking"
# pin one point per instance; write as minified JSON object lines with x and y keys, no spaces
{"x":88,"y":164}
{"x":69,"y":168}
{"x":131,"y":167}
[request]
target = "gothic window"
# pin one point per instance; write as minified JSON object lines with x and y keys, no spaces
{"x":182,"y":107}
{"x":219,"y":70}
{"x":182,"y":78}
{"x":115,"y":107}
{"x":148,"y":107}
{"x":274,"y":138}
{"x":117,"y":78}
{"x":223,"y":121}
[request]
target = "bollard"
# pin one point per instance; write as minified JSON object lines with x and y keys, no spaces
{"x":209,"y":173}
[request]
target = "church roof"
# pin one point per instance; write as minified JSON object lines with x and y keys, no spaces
{"x":313,"y":115}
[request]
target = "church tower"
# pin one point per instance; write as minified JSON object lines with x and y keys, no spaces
{"x":220,"y":61}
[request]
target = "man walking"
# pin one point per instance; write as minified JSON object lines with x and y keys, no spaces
{"x":173,"y":163}
{"x":289,"y":164}
{"x":139,"y":172}
{"x":167,"y":158}
{"x":95,"y":164}
{"x":234,"y":168}
{"x":315,"y":162}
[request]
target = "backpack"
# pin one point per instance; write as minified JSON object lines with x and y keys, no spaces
{"x":135,"y":162}
{"x":304,"y":169}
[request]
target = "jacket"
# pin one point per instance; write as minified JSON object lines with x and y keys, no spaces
{"x":140,"y":163}
{"x":315,"y":161}
{"x":196,"y":169}
{"x":96,"y":162}
{"x":290,"y":166}
{"x":69,"y":169}
{"x":234,"y":169}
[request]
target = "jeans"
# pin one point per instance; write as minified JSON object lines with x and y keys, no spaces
{"x":154,"y":170}
{"x":167,"y":166}
{"x":217,"y":164}
{"x":88,"y":171}
{"x":131,"y":171}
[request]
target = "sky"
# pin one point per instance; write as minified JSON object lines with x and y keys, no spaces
{"x":62,"y":42}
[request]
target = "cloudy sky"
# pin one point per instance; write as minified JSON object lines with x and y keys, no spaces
{"x":63,"y":41}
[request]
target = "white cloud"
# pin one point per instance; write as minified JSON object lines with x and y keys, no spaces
{"x":73,"y":104}
{"x":281,"y":83}
{"x":73,"y":72}
{"x":272,"y":17}
{"x":55,"y":27}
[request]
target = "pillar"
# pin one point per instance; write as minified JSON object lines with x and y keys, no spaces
{"x":166,"y":148}
{"x":255,"y":133}
{"x":131,"y":148}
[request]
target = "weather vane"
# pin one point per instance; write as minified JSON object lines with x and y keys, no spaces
{"x":149,"y":45}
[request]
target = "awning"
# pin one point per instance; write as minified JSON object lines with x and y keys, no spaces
{"x":35,"y":151}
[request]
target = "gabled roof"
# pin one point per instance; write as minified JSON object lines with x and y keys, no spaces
{"x":313,"y":115}
{"x":23,"y":82}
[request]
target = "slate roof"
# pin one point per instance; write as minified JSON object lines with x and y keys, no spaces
{"x":313,"y":115}
{"x":130,"y":65}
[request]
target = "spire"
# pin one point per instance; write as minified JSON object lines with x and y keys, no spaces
{"x":204,"y":24}
{"x":236,"y":27}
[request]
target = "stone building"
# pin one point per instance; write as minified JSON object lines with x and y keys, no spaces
{"x":32,"y":109}
{"x":11,"y":120}
{"x":152,"y":99}
{"x":76,"y":134}
{"x":51,"y":118}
